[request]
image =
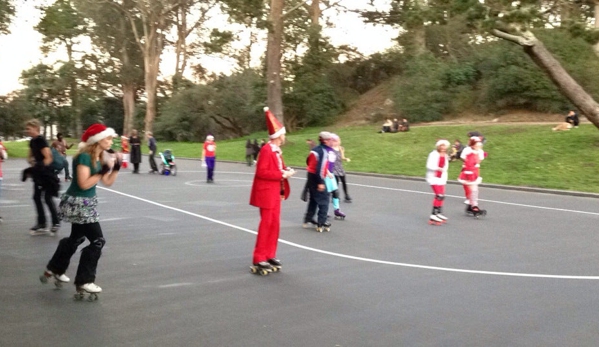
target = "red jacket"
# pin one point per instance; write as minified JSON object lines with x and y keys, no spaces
{"x":269,"y":185}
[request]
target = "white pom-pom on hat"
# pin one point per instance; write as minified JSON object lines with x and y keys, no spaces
{"x":442,"y":142}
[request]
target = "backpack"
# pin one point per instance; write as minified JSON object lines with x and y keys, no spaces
{"x":58,"y":161}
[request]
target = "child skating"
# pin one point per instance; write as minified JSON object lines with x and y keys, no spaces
{"x":78,"y":206}
{"x":436,"y":175}
{"x":470,"y":175}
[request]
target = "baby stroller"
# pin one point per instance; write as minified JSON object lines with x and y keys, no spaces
{"x":168,"y":167}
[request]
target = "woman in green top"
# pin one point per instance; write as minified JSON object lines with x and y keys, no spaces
{"x":78,"y":206}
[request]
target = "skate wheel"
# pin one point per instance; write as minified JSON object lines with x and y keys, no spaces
{"x":79,"y":296}
{"x":264,"y":272}
{"x":275,"y":269}
{"x":58,"y":284}
{"x":253,"y":270}
{"x":92,"y":297}
{"x":43,"y":279}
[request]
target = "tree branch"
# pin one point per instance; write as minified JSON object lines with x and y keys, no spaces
{"x":527,"y":40}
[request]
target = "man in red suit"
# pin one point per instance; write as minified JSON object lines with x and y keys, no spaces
{"x":270,"y":187}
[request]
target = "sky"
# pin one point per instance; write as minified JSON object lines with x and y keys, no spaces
{"x":20,"y":49}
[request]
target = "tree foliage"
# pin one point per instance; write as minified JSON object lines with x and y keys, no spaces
{"x":7,"y":11}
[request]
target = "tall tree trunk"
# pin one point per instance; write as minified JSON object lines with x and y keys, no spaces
{"x":129,"y":90}
{"x":556,"y":72}
{"x":315,"y":12}
{"x":73,"y":93}
{"x":152,"y":64}
{"x":273,"y":59}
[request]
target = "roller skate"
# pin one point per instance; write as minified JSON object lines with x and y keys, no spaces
{"x":37,"y":230}
{"x":469,"y":210}
{"x":437,"y":213}
{"x":276,"y":264}
{"x":339,"y":215}
{"x":477,"y":212}
{"x":59,"y":280}
{"x":347,"y":199}
{"x":435,"y":220}
{"x":262,"y":268}
{"x":324,"y":227}
{"x":309,"y":225}
{"x":89,"y":289}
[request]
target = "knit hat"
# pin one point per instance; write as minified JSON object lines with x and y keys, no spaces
{"x":275,"y":128}
{"x":95,"y":133}
{"x":442,"y":142}
{"x":325,"y":135}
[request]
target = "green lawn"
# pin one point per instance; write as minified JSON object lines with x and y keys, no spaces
{"x":522,"y":155}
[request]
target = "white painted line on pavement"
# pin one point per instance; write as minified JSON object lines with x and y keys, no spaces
{"x":369,"y":260}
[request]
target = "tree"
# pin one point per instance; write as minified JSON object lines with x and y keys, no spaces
{"x":45,"y":92}
{"x":61,"y":24}
{"x":7,"y":11}
{"x":155,"y":17}
{"x":516,"y":24}
{"x":113,"y":34}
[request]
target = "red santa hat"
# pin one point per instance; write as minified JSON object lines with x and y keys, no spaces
{"x":275,"y":128}
{"x":474,"y":140}
{"x":95,"y":133}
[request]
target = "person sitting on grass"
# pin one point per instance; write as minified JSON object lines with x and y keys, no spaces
{"x":404,"y":126}
{"x":456,"y":150}
{"x":387,"y":126}
{"x":573,"y":119}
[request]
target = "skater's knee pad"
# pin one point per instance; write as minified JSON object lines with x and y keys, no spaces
{"x":98,"y":243}
{"x":440,"y":197}
{"x":335,"y":194}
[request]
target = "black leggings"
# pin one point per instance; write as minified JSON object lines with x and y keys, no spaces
{"x":342,"y":179}
{"x":86,"y":272}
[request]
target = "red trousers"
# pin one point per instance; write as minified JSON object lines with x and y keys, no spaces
{"x":438,"y":190}
{"x":268,"y":234}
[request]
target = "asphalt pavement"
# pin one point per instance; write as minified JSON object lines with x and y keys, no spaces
{"x":175,"y":269}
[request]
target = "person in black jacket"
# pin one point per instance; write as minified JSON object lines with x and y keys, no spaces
{"x":45,"y":180}
{"x":135,"y":144}
{"x":573,"y":119}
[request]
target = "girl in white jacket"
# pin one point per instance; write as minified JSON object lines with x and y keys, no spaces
{"x":436,"y":175}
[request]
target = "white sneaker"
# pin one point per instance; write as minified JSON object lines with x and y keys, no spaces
{"x":90,"y":288}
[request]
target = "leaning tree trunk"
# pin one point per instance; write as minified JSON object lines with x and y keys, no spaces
{"x":596,"y":45}
{"x":273,"y":60}
{"x":535,"y":49}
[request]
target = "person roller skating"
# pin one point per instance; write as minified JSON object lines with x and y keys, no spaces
{"x":318,"y":170}
{"x":330,"y":181}
{"x":94,"y":163}
{"x":470,"y":175}
{"x":269,"y":188}
{"x":436,"y":175}
{"x":338,"y":169}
